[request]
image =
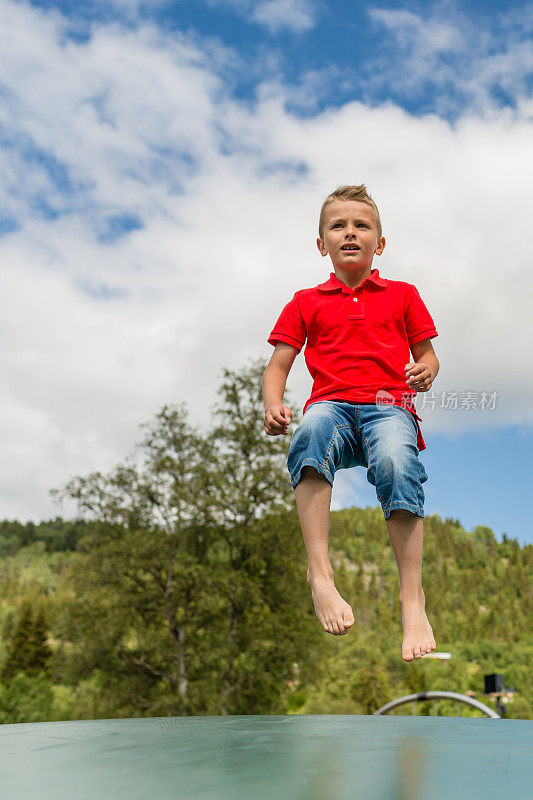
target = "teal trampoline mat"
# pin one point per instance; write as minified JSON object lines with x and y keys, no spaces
{"x":268,"y":758}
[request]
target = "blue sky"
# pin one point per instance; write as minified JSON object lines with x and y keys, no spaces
{"x":131,"y":132}
{"x":475,"y":478}
{"x":343,"y":50}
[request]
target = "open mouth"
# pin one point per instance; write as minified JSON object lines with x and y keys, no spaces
{"x":350,"y":247}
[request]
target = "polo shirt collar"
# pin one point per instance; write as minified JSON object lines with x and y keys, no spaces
{"x":333,"y":284}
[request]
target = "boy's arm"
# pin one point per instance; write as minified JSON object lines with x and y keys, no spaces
{"x":277,"y":416}
{"x":276,"y":373}
{"x":423,"y":372}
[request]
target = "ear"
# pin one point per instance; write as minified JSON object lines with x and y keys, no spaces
{"x":380,"y":246}
{"x":321,"y":247}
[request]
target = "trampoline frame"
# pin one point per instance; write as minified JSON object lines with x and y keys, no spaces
{"x":420,"y":696}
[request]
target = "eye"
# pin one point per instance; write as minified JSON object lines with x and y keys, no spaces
{"x":363,"y":224}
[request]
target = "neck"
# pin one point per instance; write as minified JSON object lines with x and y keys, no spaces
{"x":352,"y":278}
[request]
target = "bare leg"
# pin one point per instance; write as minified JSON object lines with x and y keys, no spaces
{"x":313,"y":500}
{"x":406,"y":535}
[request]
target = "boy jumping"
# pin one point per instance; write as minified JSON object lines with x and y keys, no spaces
{"x":359,"y":329}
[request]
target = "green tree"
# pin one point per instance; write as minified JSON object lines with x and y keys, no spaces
{"x":371,"y":687}
{"x":26,"y":699}
{"x":190,"y":590}
{"x":28,"y":651}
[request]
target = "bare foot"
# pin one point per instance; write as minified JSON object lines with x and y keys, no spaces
{"x":334,"y":613}
{"x":418,"y":636}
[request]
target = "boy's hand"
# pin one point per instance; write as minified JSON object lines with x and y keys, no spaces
{"x":277,"y":419}
{"x":419,"y":376}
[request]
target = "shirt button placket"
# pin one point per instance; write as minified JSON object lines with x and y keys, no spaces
{"x":357,"y":311}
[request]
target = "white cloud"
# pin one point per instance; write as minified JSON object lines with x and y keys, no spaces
{"x":283,"y":15}
{"x":296,"y":16}
{"x":138,"y":122}
{"x":126,"y":9}
{"x":429,"y":36}
{"x":457,"y":58}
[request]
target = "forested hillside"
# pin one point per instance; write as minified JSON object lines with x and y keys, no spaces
{"x":86,"y":633}
{"x":181,"y":589}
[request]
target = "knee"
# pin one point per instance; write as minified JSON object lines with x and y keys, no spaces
{"x":391,"y":460}
{"x":314,"y":432}
{"x":396,"y":466}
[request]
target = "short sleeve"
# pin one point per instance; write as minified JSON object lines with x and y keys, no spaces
{"x":418,"y":321}
{"x":290,"y":327}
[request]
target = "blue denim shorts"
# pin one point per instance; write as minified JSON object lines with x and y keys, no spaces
{"x":336,"y":435}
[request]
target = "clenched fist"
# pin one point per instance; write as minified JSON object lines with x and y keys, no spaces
{"x":277,"y":419}
{"x":419,"y":376}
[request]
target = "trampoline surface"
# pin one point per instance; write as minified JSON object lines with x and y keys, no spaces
{"x":263,"y":757}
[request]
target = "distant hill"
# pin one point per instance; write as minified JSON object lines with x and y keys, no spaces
{"x":479,"y":599}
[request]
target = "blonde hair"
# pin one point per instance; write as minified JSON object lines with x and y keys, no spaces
{"x":358,"y":193}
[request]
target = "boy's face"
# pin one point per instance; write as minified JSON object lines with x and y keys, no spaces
{"x":350,"y":236}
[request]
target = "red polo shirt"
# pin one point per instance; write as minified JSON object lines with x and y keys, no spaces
{"x":357,"y":339}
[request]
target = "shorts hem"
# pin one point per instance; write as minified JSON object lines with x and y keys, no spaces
{"x":311,"y":462}
{"x":401,"y":504}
